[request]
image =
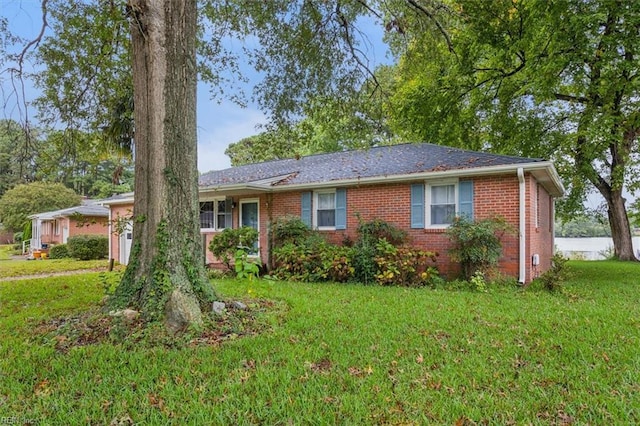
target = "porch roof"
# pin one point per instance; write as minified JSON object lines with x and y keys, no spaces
{"x":95,"y":210}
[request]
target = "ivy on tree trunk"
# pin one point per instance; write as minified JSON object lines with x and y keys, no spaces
{"x":165,"y":278}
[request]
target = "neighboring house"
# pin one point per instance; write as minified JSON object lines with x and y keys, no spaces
{"x":57,"y":226}
{"x":416,"y":187}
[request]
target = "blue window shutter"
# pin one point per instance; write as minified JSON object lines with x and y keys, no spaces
{"x":465,"y":198}
{"x":341,"y":208}
{"x":305,"y":214}
{"x":417,"y":205}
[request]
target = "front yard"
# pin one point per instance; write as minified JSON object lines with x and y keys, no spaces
{"x":342,"y":354}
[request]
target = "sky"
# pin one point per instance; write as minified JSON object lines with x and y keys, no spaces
{"x":219,"y":123}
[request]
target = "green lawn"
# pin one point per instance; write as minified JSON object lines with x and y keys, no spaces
{"x":17,"y":268}
{"x":344,"y":354}
{"x":6,"y":250}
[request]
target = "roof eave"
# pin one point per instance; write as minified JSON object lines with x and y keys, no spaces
{"x":555,"y":187}
{"x":543,"y":168}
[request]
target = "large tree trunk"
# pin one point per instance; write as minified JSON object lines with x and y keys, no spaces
{"x":165,"y":278}
{"x":620,"y":229}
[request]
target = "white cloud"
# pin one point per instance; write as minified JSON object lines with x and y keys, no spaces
{"x":218,"y":126}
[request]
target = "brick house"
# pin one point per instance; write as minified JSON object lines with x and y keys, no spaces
{"x":416,"y":187}
{"x":55,"y":227}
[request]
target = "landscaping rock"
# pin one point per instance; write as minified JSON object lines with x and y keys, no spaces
{"x":219,"y":308}
{"x":239,"y":305}
{"x":129,"y":315}
{"x":182,"y":310}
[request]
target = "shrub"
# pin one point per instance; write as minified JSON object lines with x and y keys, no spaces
{"x":245,"y":267}
{"x":27,"y":231}
{"x":365,"y":253}
{"x":405,"y":266}
{"x":300,"y":262}
{"x":476,"y":244}
{"x":59,"y":251}
{"x":18,"y":237}
{"x":88,"y":247}
{"x":378,"y":229}
{"x":225,"y":244}
{"x":289,"y":229}
{"x":337,"y":263}
{"x":554,"y":278}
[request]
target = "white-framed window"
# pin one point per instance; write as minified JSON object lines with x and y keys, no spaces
{"x":214,"y":214}
{"x":324,"y":214}
{"x":441,"y":203}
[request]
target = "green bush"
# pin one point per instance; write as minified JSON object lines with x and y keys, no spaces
{"x":27,"y":231}
{"x":18,"y":237}
{"x":554,"y":278}
{"x":245,"y":266}
{"x":337,"y":263}
{"x":302,"y":261}
{"x":405,"y":266}
{"x":476,"y":244}
{"x":378,"y":229}
{"x":289,"y":229}
{"x":306,"y":256}
{"x":313,"y":259}
{"x":225,"y":244}
{"x":365,"y":253}
{"x":59,"y":251}
{"x":88,"y":247}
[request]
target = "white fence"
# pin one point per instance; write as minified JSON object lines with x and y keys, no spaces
{"x":590,"y":248}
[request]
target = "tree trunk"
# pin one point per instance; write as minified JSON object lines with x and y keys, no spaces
{"x":165,"y":277}
{"x":620,"y":229}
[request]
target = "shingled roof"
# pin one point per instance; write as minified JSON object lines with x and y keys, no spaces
{"x":383,"y":161}
{"x":89,"y":209}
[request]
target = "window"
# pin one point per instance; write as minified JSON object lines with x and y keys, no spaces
{"x":207,"y":215}
{"x":215,"y":214}
{"x":443,"y":204}
{"x":326,"y":209}
{"x":222,"y":215}
{"x":436,"y":204}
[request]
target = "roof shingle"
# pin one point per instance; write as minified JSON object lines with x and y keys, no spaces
{"x":380,"y":161}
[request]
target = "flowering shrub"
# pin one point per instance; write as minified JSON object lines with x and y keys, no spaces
{"x":315,"y":261}
{"x":405,"y":266}
{"x":304,"y":255}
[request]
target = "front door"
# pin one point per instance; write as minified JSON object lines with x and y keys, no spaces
{"x":249,"y":214}
{"x":65,"y":231}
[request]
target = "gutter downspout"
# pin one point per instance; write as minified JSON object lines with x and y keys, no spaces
{"x":522,"y":233}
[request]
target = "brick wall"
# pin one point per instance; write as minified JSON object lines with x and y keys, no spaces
{"x":117,"y":212}
{"x":493,"y":196}
{"x":89,"y":225}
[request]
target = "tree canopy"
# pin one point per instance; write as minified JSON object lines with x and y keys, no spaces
{"x":37,"y":197}
{"x":556,"y":79}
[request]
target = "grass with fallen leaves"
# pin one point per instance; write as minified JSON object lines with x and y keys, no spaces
{"x":341,"y":354}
